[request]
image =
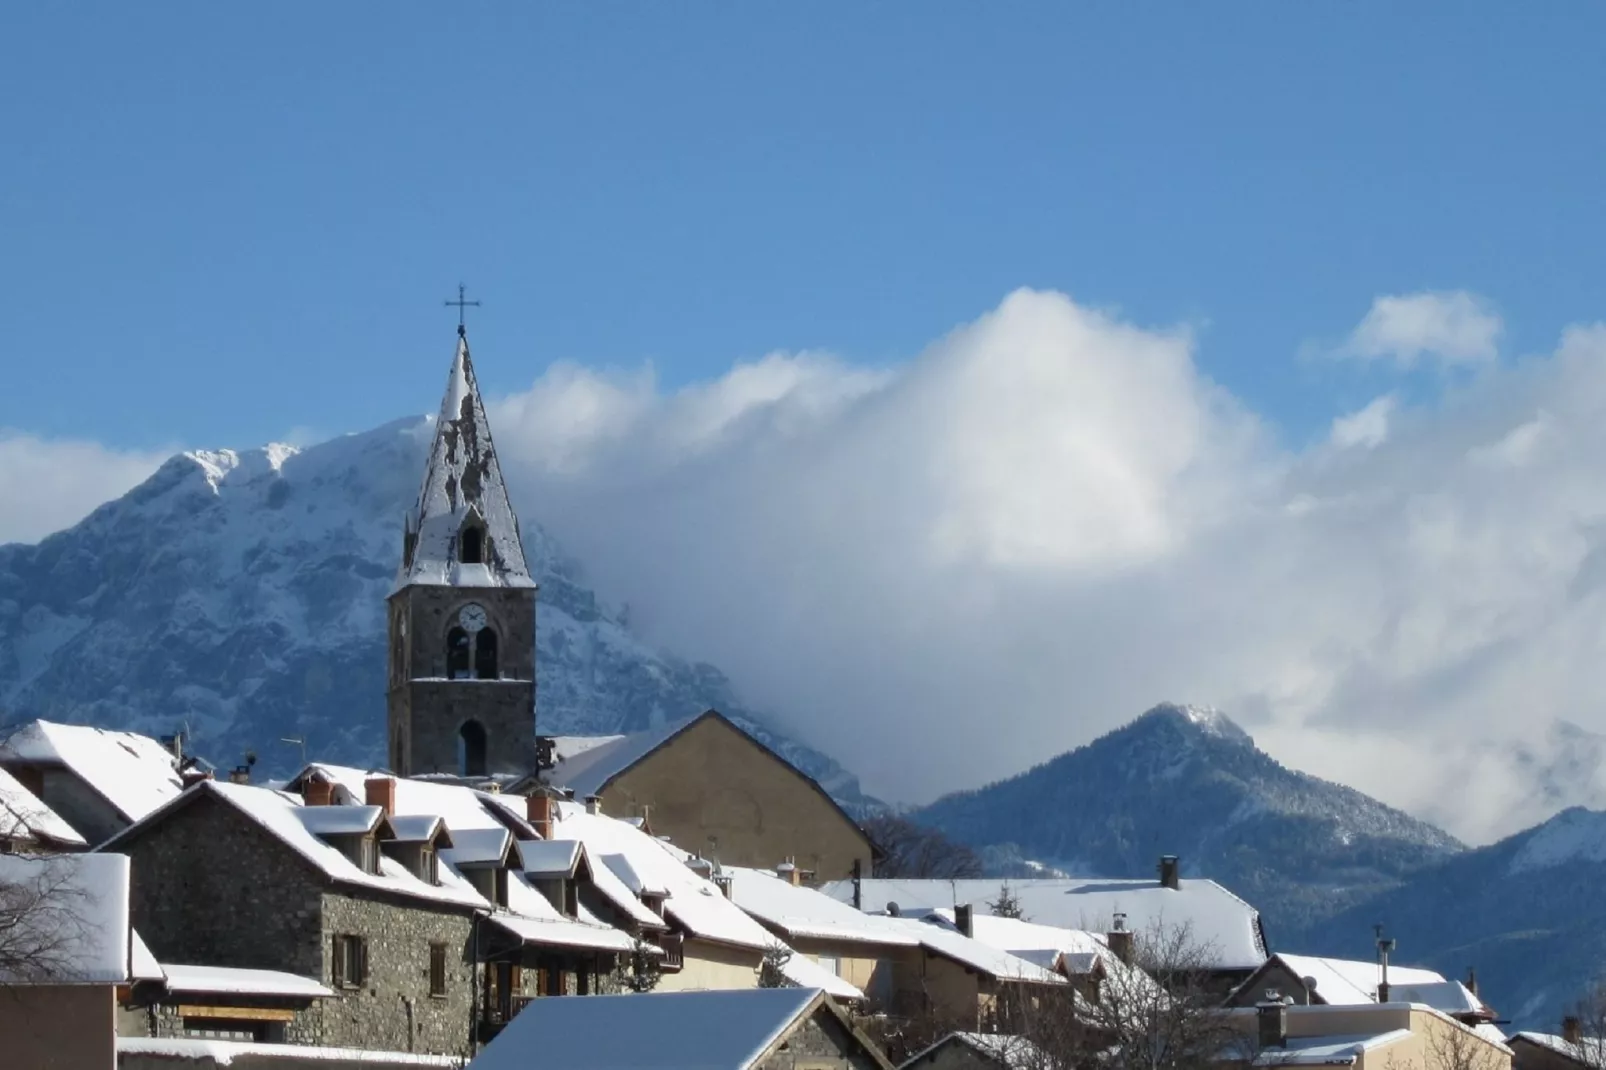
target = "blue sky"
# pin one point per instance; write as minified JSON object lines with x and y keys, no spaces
{"x":224,"y":222}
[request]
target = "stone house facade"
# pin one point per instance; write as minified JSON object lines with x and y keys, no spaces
{"x":210,"y":885}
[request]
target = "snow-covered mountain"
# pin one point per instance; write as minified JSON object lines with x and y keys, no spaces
{"x":1526,"y":912}
{"x":1188,"y":781}
{"x":242,"y":594}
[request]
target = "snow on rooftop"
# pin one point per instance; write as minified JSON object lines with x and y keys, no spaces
{"x":693,"y":901}
{"x":142,"y":965}
{"x":720,"y":1030}
{"x":85,"y":920}
{"x":807,"y":912}
{"x":590,"y":769}
{"x":1215,"y":916}
{"x":1589,"y":1050}
{"x":133,"y":773}
{"x":24,"y":817}
{"x":462,"y":480}
{"x":1451,"y":997}
{"x":978,"y":956}
{"x":224,"y":1052}
{"x":460,"y":806}
{"x":1350,"y":982}
{"x":609,"y":879}
{"x":1001,"y":1047}
{"x":558,"y":931}
{"x":804,"y":972}
{"x":338,"y":820}
{"x":1328,"y":1051}
{"x":225,"y":980}
{"x":481,"y":846}
{"x":416,"y":828}
{"x":566,"y":747}
{"x":550,"y":858}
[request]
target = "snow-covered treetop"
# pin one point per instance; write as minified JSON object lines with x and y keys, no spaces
{"x":463,"y":531}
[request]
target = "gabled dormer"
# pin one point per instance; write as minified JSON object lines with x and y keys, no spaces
{"x":416,"y":842}
{"x":354,"y":831}
{"x":556,"y":868}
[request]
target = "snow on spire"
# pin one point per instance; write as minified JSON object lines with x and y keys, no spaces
{"x":463,"y":531}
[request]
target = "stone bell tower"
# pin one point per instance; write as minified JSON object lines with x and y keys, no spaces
{"x":462,"y":614}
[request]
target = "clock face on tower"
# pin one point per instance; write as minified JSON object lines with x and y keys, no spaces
{"x":472,"y":617}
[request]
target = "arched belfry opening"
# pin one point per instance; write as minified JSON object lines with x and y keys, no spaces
{"x":485,"y":655}
{"x":471,"y":545}
{"x":459,"y":660}
{"x":471,"y":748}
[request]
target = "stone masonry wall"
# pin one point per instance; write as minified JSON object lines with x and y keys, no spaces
{"x":392,"y":1008}
{"x":210,"y":887}
{"x":819,"y":1043}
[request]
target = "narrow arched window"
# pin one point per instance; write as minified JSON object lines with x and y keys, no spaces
{"x":471,"y":545}
{"x":458,"y":661}
{"x":471,"y":749}
{"x":485,"y":655}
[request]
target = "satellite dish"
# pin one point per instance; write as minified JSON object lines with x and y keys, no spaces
{"x":892,"y":909}
{"x":1309,"y":983}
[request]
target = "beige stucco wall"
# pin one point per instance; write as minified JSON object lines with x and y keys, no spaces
{"x":1429,"y":1046}
{"x":712,"y":780}
{"x":59,"y":1027}
{"x":713,"y":966}
{"x":872,"y":968}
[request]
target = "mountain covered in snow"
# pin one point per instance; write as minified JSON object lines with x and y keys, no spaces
{"x":1187,"y":781}
{"x":1527,"y":913}
{"x":242,"y":594}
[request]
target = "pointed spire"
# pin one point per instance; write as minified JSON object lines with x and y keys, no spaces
{"x":463,"y":531}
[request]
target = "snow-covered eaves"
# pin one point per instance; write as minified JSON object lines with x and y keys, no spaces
{"x":804,"y":972}
{"x":225,"y":980}
{"x":25,"y":818}
{"x":707,"y":1030}
{"x":80,"y":926}
{"x":550,"y":859}
{"x":142,"y":965}
{"x":461,"y":807}
{"x":564,"y":932}
{"x":283,"y":819}
{"x":338,"y":820}
{"x":480,"y":847}
{"x":418,"y":828}
{"x":1328,"y":1051}
{"x":694,"y":902}
{"x":1346,"y":982}
{"x":191,"y":1052}
{"x":1216,"y":918}
{"x":801,"y":912}
{"x":133,"y":773}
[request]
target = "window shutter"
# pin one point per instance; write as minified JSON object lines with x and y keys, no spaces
{"x":362,"y":960}
{"x":337,"y":965}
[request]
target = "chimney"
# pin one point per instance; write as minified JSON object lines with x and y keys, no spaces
{"x":1472,"y":980}
{"x":858,"y":884}
{"x":381,"y":792}
{"x":964,"y":919}
{"x":789,"y":872}
{"x":240,"y":774}
{"x":723,"y":882}
{"x":568,"y":795}
{"x":538,"y":808}
{"x":1169,"y":865}
{"x":316,"y":791}
{"x":1570,"y":1031}
{"x":1120,"y":939}
{"x":1272,"y":1018}
{"x":593,"y":804}
{"x":191,"y":776}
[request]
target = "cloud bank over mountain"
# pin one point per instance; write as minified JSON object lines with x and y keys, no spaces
{"x":1051,"y":519}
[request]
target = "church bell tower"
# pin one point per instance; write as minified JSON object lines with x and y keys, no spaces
{"x":462,"y":614}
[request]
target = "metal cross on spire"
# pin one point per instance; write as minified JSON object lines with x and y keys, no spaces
{"x":462,"y":305}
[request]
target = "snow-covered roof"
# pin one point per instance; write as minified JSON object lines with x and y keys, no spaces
{"x":478,"y":846}
{"x":1327,"y":1051}
{"x":133,"y":773}
{"x":1451,"y":997}
{"x":941,"y":940}
{"x":1007,"y":1050}
{"x":563,"y":932}
{"x":1349,"y":982}
{"x":419,"y":828}
{"x":610,"y":879}
{"x":1052,"y":948}
{"x":24,"y":817}
{"x":566,"y":747}
{"x":338,"y":820}
{"x":719,"y":1030}
{"x":195,"y":1052}
{"x":283,"y":818}
{"x":142,"y":965}
{"x":80,"y":929}
{"x":693,"y":901}
{"x":590,"y":769}
{"x":461,"y":807}
{"x":550,"y":858}
{"x":227,"y":980}
{"x":1591,"y":1051}
{"x":806,"y":912}
{"x":1229,"y":926}
{"x":806,"y":973}
{"x":463,"y":479}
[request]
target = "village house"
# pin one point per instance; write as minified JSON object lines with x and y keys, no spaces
{"x":28,"y":825}
{"x":98,"y":781}
{"x":1371,"y":1035}
{"x":976,"y":1051}
{"x":1318,"y":981}
{"x":1568,"y":1050}
{"x":714,"y":789}
{"x":67,"y":920}
{"x":1224,"y":928}
{"x":757,"y":1029}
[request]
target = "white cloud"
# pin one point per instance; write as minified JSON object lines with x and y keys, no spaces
{"x":1453,"y":327}
{"x":1368,"y":427}
{"x":50,"y":484}
{"x":1050,"y":520}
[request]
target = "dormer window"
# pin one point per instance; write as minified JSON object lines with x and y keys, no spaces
{"x":428,"y":869}
{"x":471,"y":545}
{"x":653,"y":902}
